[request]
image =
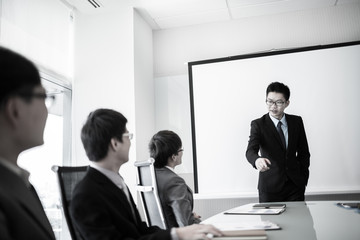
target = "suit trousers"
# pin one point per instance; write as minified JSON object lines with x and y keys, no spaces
{"x":290,"y":192}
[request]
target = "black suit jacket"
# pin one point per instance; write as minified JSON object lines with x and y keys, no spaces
{"x":21,"y":213}
{"x":101,"y":210}
{"x":292,"y":162}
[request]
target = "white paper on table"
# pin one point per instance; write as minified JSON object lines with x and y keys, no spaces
{"x":249,"y":210}
{"x":248,"y":225}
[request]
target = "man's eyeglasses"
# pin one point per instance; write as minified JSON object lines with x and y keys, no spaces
{"x":49,"y":98}
{"x":129,"y":135}
{"x":277,"y":103}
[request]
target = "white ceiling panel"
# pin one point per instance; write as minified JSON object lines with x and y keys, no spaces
{"x":173,"y":8}
{"x":161,"y":14}
{"x":278,"y":7}
{"x":241,"y":3}
{"x":193,"y":18}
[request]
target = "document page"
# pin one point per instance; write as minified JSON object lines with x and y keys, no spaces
{"x":248,"y":225}
{"x":250,"y":210}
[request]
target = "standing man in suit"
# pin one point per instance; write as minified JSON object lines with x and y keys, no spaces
{"x":23,"y":116}
{"x":175,"y":195}
{"x":102,"y":206}
{"x":284,"y":158}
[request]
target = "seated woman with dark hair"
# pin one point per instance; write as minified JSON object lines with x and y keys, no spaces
{"x":175,"y":196}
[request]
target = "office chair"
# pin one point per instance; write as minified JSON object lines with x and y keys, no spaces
{"x":147,"y":188}
{"x":68,"y":178}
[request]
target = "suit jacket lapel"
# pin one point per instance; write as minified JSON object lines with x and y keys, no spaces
{"x":29,"y":200}
{"x":110,"y":187}
{"x":40,"y":213}
{"x":271,"y":126}
{"x":291,"y":131}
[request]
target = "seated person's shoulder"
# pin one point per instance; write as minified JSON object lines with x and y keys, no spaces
{"x":165,"y":174}
{"x":85,"y":186}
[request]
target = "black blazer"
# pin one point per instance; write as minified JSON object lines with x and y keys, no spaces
{"x":101,"y":210}
{"x":21,"y":214}
{"x":292,"y":162}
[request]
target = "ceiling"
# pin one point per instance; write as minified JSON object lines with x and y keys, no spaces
{"x":164,"y":14}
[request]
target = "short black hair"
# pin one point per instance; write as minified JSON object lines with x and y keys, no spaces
{"x":279,"y":88}
{"x":163,"y":145}
{"x":100,"y":127}
{"x":17,"y":74}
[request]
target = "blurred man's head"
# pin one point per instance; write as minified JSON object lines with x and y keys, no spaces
{"x":23,"y":112}
{"x":19,"y":76}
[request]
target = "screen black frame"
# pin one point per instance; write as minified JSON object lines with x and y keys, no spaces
{"x":239,"y":57}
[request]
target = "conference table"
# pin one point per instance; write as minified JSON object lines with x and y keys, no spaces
{"x":311,"y":220}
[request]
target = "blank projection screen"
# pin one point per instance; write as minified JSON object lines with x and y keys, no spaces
{"x":227,"y":94}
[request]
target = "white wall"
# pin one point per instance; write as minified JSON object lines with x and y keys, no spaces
{"x":104,"y":74}
{"x":144,"y":87}
{"x":172,"y":113}
{"x":114,"y":69}
{"x":174,"y":47}
{"x":41,"y":30}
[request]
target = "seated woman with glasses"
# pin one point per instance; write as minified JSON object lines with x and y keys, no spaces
{"x":175,"y":196}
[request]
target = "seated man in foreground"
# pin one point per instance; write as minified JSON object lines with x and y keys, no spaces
{"x":23,"y":115}
{"x":102,"y":206}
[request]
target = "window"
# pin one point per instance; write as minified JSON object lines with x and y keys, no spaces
{"x":55,"y":151}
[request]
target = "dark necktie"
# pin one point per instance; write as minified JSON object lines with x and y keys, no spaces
{"x":281,"y":133}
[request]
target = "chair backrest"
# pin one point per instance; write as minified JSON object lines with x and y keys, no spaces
{"x":147,"y":188}
{"x":68,"y":178}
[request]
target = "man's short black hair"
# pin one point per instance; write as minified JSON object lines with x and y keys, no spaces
{"x":163,"y":145}
{"x":279,"y":88}
{"x":17,"y":75}
{"x":101,"y":126}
